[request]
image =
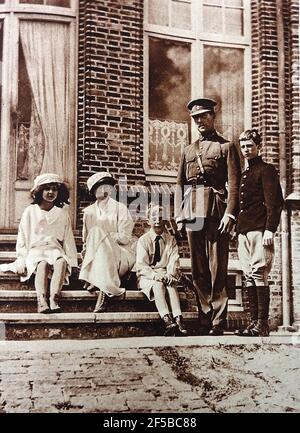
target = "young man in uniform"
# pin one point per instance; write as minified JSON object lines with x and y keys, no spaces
{"x":261,"y":202}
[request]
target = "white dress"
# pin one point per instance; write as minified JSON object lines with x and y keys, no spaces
{"x":44,"y":236}
{"x":108,"y":245}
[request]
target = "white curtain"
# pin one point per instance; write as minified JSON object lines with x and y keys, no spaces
{"x":46,"y":51}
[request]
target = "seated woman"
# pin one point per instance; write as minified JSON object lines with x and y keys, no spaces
{"x":45,"y":244}
{"x":108,"y":246}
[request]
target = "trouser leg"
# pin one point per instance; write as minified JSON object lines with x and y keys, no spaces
{"x":174,"y":301}
{"x":201,"y":274}
{"x":176,"y":309}
{"x":40,"y":283}
{"x":218,"y":250}
{"x":159,"y":292}
{"x":59,"y":272}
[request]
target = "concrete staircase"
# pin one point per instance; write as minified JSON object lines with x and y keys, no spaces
{"x":128,"y":315}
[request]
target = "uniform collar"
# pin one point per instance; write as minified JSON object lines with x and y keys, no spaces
{"x":254,"y":161}
{"x":210,"y":136}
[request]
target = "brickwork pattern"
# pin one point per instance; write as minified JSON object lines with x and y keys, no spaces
{"x":110,"y":90}
{"x":295,"y":259}
{"x":110,"y":105}
{"x":295,"y":93}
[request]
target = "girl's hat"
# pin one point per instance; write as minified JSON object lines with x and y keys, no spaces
{"x":100,"y":178}
{"x":45,"y":178}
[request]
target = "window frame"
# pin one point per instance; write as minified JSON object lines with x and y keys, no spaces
{"x":198,"y":39}
{"x":11,"y":18}
{"x":16,"y":7}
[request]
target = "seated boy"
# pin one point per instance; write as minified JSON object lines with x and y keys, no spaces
{"x":157,"y":267}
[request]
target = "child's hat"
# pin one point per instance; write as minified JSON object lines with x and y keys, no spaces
{"x":103,"y":177}
{"x":45,"y":178}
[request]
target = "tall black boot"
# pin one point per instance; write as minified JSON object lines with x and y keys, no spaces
{"x":262,"y":327}
{"x":253,"y":308}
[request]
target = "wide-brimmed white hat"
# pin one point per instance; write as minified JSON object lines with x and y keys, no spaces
{"x":45,"y":178}
{"x":103,"y":177}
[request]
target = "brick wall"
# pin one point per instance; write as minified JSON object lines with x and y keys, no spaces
{"x":110,"y":90}
{"x":265,"y":113}
{"x":295,"y":89}
{"x":110,"y":105}
{"x":295,"y":156}
{"x":295,"y":256}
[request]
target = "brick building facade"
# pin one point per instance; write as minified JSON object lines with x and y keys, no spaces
{"x":113,"y":104}
{"x":110,"y":103}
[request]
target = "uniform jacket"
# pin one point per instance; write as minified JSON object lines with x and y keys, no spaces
{"x":221,"y":164}
{"x":260,"y":198}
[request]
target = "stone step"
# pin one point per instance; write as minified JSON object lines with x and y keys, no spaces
{"x":11,"y":281}
{"x":64,"y":318}
{"x":34,"y":326}
{"x":18,"y":326}
{"x":24,"y":301}
{"x":74,"y":295}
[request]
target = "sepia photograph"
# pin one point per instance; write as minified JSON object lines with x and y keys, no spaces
{"x":149,"y":210}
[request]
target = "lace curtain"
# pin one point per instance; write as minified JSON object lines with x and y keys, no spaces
{"x":46,"y":51}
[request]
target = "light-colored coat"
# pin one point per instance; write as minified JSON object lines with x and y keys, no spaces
{"x":108,"y":245}
{"x":44,"y":236}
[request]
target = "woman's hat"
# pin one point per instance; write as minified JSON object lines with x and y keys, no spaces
{"x":100,"y":178}
{"x":45,"y":178}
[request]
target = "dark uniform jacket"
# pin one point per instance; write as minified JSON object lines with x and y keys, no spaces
{"x":260,"y":198}
{"x":221,"y":164}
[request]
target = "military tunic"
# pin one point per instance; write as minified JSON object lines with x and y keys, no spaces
{"x":261,"y":201}
{"x":219,"y":175}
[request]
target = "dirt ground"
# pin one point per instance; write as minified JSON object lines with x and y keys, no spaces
{"x":182,"y":375}
{"x":244,"y":378}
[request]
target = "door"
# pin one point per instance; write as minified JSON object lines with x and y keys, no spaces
{"x":38,"y":106}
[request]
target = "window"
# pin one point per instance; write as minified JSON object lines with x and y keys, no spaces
{"x":193,"y":48}
{"x":60,"y":3}
{"x":37,"y":116}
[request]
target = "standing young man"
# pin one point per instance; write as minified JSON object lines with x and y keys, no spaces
{"x":211,"y":162}
{"x":261,"y":202}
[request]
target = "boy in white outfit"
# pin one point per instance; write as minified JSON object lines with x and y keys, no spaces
{"x":157,"y":267}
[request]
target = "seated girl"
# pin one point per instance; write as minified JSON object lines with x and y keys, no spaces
{"x":45,"y":244}
{"x":108,"y":246}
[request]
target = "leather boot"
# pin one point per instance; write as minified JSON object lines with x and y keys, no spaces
{"x":180,"y":326}
{"x":253,"y":307}
{"x":262,"y":327}
{"x":42,"y":306}
{"x":101,"y":303}
{"x":170,"y":325}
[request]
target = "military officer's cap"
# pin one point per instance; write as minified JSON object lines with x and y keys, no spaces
{"x":201,"y":105}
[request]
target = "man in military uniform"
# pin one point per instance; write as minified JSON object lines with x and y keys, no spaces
{"x":210,"y":162}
